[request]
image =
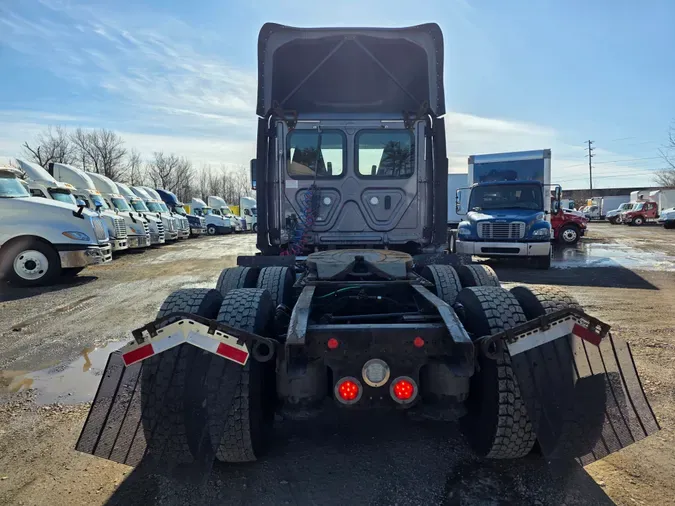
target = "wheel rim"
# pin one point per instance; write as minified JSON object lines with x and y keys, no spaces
{"x":31,"y":265}
{"x":211,"y":230}
{"x":569,"y":235}
{"x":638,"y":221}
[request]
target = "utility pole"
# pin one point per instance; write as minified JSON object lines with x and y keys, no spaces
{"x":590,"y":163}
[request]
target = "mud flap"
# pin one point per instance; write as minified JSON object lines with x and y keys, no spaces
{"x":580,"y":385}
{"x":165,"y":410}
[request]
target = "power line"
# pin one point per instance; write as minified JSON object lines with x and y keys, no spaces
{"x":613,"y":161}
{"x":590,"y":162}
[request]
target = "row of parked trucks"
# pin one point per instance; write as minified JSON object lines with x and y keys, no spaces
{"x":62,"y":219}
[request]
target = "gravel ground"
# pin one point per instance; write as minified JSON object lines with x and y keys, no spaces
{"x":54,"y":343}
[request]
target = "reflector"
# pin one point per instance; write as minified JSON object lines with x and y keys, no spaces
{"x":348,"y":390}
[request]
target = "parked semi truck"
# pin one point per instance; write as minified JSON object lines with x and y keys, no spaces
{"x":248,"y":210}
{"x":359,"y":311}
{"x":83,"y":188}
{"x":197,"y":223}
{"x":648,"y":206}
{"x":215,"y":222}
{"x":155,"y":223}
{"x":508,"y":210}
{"x":667,"y":218}
{"x":220,"y":207}
{"x":42,"y":239}
{"x":182,"y":222}
{"x":171,"y":224}
{"x":138,"y":228}
{"x":614,"y":216}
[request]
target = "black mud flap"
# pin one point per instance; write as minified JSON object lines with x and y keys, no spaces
{"x":580,"y":385}
{"x":163,"y":402}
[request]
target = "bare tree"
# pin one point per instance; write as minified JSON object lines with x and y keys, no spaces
{"x":172,"y":173}
{"x":666,"y":177}
{"x":135,"y":174}
{"x":101,"y":151}
{"x":52,"y":145}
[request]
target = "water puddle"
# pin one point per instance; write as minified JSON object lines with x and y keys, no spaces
{"x":592,"y":254}
{"x":67,"y":383}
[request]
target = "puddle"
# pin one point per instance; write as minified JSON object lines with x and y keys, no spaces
{"x":592,"y":254}
{"x":68,"y":383}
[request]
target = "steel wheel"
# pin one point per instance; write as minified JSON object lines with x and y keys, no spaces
{"x":569,"y":235}
{"x":31,"y":265}
{"x":211,"y":230}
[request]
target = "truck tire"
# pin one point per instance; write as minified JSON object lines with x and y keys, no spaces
{"x":236,"y":277}
{"x":569,"y":235}
{"x":171,"y":382}
{"x":29,"y":262}
{"x":669,"y":226}
{"x":279,"y":282}
{"x":496,"y":425}
{"x":248,"y":422}
{"x":638,"y":220}
{"x":477,"y":275}
{"x":211,"y":230}
{"x":538,"y":300}
{"x":445,"y":279}
{"x":255,"y":228}
{"x":613,"y":220}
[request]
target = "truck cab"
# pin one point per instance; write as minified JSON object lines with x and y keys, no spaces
{"x":567,"y":226}
{"x":249,"y":212}
{"x":615,"y":216}
{"x":221,"y":208}
{"x":216,"y":223}
{"x":82,"y":188}
{"x":182,"y":224}
{"x":42,"y":239}
{"x":138,"y":229}
{"x":155,"y":223}
{"x":197,"y":223}
{"x":161,"y":211}
{"x":508,"y":207}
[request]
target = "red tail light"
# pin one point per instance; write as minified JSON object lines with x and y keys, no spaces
{"x":348,"y":390}
{"x":403,"y":390}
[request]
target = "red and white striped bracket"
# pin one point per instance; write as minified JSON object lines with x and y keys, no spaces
{"x":190,"y":332}
{"x":557,"y":328}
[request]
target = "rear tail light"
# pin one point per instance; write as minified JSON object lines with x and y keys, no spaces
{"x":348,"y":390}
{"x":403,"y":390}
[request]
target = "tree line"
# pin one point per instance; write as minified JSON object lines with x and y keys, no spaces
{"x":104,"y":152}
{"x":666,"y":177}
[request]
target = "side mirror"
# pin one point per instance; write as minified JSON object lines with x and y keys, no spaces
{"x":81,"y":203}
{"x":253,"y":173}
{"x":458,"y":202}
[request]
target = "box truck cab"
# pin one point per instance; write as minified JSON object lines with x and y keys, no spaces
{"x":155,"y":223}
{"x":182,"y":224}
{"x":83,"y":188}
{"x":508,"y":207}
{"x":215,"y":223}
{"x":649,"y":206}
{"x":197,"y":223}
{"x":170,"y":223}
{"x":249,"y":211}
{"x":42,"y":239}
{"x":614,"y":216}
{"x":138,"y":229}
{"x":220,"y":207}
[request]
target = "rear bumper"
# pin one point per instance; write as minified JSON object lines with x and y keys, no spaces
{"x":138,"y":241}
{"x":118,"y":244}
{"x":504,"y":249}
{"x":89,"y":255}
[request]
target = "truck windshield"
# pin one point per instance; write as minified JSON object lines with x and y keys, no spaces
{"x":163,"y":206}
{"x":179,"y":210}
{"x":120,"y":204}
{"x":506,"y":196}
{"x":11,"y":187}
{"x":226,"y":210}
{"x":63,"y":196}
{"x":638,"y":207}
{"x":139,"y":206}
{"x":625,"y":207}
{"x":155,"y":207}
{"x":254,"y":211}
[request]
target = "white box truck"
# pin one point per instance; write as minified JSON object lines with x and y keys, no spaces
{"x":42,"y":239}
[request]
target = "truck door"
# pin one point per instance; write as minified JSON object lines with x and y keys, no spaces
{"x":355,"y":184}
{"x":650,"y":210}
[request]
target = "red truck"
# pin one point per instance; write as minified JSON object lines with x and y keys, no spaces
{"x":649,"y":207}
{"x":568,"y":227}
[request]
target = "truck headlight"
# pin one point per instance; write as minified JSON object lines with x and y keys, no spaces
{"x":541,"y":232}
{"x":76,"y":236}
{"x":463,"y":231}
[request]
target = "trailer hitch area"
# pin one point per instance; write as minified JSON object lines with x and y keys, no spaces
{"x":179,"y":328}
{"x":542,"y":330}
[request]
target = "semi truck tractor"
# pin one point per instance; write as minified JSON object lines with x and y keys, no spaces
{"x":182,"y":224}
{"x":215,"y":222}
{"x":508,"y":209}
{"x":83,"y":188}
{"x":247,"y":209}
{"x":649,"y":206}
{"x":352,"y":304}
{"x":171,"y":224}
{"x":138,"y":229}
{"x":220,"y":207}
{"x":614,"y":216}
{"x":197,"y":223}
{"x":42,"y":239}
{"x":155,"y":223}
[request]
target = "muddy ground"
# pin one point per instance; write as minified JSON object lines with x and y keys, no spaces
{"x":54,"y":343}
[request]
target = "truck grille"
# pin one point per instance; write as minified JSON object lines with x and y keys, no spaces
{"x":120,"y":228}
{"x":501,"y":231}
{"x":170,"y":225}
{"x":99,"y":229}
{"x":186,"y":224}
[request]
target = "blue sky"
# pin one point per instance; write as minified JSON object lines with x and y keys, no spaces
{"x":181,"y":76}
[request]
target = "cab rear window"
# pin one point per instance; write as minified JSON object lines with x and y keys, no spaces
{"x":385,"y":153}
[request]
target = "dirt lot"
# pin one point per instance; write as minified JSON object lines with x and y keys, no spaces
{"x":54,"y":343}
